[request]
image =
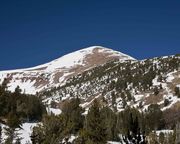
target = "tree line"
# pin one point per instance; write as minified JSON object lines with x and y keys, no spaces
{"x":101,"y":124}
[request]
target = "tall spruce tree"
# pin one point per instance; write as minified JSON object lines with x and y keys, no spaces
{"x":177,"y":91}
{"x":95,"y":125}
{"x":110,"y":119}
{"x":10,"y":133}
{"x":154,"y":117}
{"x":0,"y":133}
{"x":134,"y":136}
{"x":72,"y":113}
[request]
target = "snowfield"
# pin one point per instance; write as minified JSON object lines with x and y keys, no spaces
{"x":53,"y":111}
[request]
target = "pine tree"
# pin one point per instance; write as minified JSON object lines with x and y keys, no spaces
{"x":82,"y":138}
{"x":166,"y":102}
{"x":17,"y":90}
{"x":161,"y":138}
{"x":9,"y":132}
{"x":0,"y":133}
{"x":177,"y":91}
{"x":33,"y":137}
{"x":171,"y":139}
{"x":95,"y":126}
{"x":38,"y":135}
{"x":4,"y":84}
{"x":153,"y":138}
{"x":134,"y":135}
{"x":129,"y":96}
{"x":13,"y":120}
{"x":110,"y":119}
{"x":18,"y":140}
{"x":72,"y":112}
{"x":154,"y":117}
{"x":114,"y":104}
{"x":156,"y":91}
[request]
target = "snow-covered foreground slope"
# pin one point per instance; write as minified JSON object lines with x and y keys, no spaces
{"x":26,"y":129}
{"x":23,"y":133}
{"x":56,"y":72}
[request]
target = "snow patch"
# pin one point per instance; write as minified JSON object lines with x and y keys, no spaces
{"x":170,"y":77}
{"x":164,"y":131}
{"x":54,"y":111}
{"x":26,"y":131}
{"x":26,"y":87}
{"x":23,"y":133}
{"x":138,"y":97}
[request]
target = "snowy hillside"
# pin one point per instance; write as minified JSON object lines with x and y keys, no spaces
{"x":135,"y":84}
{"x":117,"y":81}
{"x":54,"y":73}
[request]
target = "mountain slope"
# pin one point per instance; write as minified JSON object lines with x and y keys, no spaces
{"x":56,"y":72}
{"x":135,"y":84}
{"x":116,"y":80}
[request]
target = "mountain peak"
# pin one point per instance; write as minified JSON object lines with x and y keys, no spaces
{"x":102,"y":49}
{"x":59,"y":70}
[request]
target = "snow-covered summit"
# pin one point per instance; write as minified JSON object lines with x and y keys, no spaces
{"x":75,"y":58}
{"x":54,"y":73}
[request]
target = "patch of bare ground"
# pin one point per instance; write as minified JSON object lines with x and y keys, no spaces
{"x":62,"y":104}
{"x":57,"y":75}
{"x":40,"y":82}
{"x":154,"y":99}
{"x":172,"y":115}
{"x":98,"y":58}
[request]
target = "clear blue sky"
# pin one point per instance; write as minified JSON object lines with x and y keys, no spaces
{"x":33,"y":32}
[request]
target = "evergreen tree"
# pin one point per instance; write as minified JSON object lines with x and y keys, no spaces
{"x":134,"y":135}
{"x":37,"y":135}
{"x":0,"y":133}
{"x":17,"y":107}
{"x":114,"y":104}
{"x":82,"y":138}
{"x":18,"y":140}
{"x":17,"y":91}
{"x":177,"y":92}
{"x":156,"y":91}
{"x":172,"y":138}
{"x":110,"y":119}
{"x":4,"y":84}
{"x":10,"y":133}
{"x":161,"y":138}
{"x":166,"y":102}
{"x":72,"y":113}
{"x":154,"y":118}
{"x":13,"y":120}
{"x":153,"y":138}
{"x":33,"y":137}
{"x":129,"y":96}
{"x":95,"y":125}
